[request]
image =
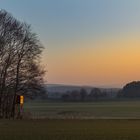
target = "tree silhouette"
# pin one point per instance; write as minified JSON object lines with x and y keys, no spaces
{"x":20,"y":70}
{"x":83,"y":94}
{"x":95,"y":93}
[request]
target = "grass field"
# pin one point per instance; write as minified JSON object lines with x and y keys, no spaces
{"x":113,"y":120}
{"x":87,"y":110}
{"x":70,"y":130}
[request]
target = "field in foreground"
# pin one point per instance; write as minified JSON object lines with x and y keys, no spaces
{"x":70,"y":130}
{"x":85,"y":110}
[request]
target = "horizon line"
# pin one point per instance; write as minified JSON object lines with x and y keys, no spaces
{"x":81,"y":85}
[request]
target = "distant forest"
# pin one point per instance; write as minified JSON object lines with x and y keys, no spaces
{"x":129,"y":91}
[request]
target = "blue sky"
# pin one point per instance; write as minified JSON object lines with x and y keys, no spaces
{"x":75,"y":18}
{"x":63,"y":26}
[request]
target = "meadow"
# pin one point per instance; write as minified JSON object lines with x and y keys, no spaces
{"x":70,"y":129}
{"x":84,"y":110}
{"x":112,"y":120}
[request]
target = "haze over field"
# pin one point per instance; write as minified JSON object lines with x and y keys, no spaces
{"x":88,"y":42}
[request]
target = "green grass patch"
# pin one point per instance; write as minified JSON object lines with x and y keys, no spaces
{"x":70,"y":130}
{"x":86,"y":110}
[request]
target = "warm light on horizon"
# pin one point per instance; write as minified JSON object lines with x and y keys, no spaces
{"x":93,"y":42}
{"x":102,"y":63}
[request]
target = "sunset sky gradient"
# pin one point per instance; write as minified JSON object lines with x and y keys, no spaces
{"x":87,"y":42}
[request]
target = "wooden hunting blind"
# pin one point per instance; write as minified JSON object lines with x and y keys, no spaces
{"x":19,"y":105}
{"x":19,"y":99}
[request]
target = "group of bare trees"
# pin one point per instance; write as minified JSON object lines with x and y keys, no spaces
{"x":83,"y":95}
{"x":20,"y":71}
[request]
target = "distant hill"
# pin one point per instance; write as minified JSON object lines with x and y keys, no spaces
{"x":131,"y":90}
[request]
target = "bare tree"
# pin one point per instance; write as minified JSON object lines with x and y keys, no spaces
{"x":20,"y":69}
{"x":83,"y":94}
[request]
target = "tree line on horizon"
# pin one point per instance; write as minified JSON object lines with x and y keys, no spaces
{"x":129,"y":91}
{"x":83,"y":95}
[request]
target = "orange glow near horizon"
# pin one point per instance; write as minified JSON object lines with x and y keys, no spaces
{"x":87,"y":42}
{"x":101,"y":63}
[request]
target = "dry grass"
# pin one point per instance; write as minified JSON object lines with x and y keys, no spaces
{"x":70,"y":130}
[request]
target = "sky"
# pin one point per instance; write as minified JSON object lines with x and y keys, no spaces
{"x":87,"y":42}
